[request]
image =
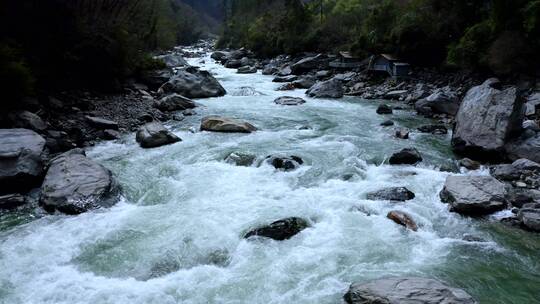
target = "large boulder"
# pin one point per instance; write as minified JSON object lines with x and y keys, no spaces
{"x":193,"y":83}
{"x":439,"y":102}
{"x":529,"y":216}
{"x":172,"y":60}
{"x":528,"y":148}
{"x":399,"y":194}
{"x":21,"y":163}
{"x":289,"y":101}
{"x":224,"y":124}
{"x":154,"y":134}
{"x":474,"y":195}
{"x":407,"y":156}
{"x":406,"y":290}
{"x":26,"y":120}
{"x":384,"y":109}
{"x":306,"y":64}
{"x":486,"y":119}
{"x":280,"y":230}
{"x":174,"y":102}
{"x":75,"y":184}
{"x":326,"y":89}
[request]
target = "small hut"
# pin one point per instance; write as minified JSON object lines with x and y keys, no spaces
{"x":389,"y":64}
{"x":345,"y":60}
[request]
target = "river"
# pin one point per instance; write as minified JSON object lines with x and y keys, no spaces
{"x":176,"y":236}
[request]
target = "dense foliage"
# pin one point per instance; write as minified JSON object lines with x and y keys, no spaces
{"x":500,"y":35}
{"x":61,"y":44}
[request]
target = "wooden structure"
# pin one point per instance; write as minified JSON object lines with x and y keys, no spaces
{"x":345,"y":60}
{"x":389,"y":64}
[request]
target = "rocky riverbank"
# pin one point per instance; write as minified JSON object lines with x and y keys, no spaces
{"x":493,"y":122}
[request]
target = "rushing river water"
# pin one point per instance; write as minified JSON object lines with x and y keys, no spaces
{"x":176,"y":237}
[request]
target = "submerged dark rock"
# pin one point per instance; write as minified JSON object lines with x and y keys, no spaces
{"x":285,"y":163}
{"x":289,"y":101}
{"x":400,"y":194}
{"x":280,"y":230}
{"x":407,"y":156}
{"x":406,"y":290}
{"x":434,"y":129}
{"x":240,"y":159}
{"x":384,"y":109}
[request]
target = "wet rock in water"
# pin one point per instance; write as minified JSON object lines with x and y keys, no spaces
{"x":247,"y":70}
{"x":280,"y":230}
{"x":286,"y":87}
{"x":438,"y":103}
{"x":102,"y":123}
{"x":240,"y":159}
{"x":474,"y":195}
{"x":289,"y":101}
{"x":173,"y":60}
{"x":407,"y":156}
{"x":285,"y":163}
{"x":154,"y":134}
{"x":75,"y":184}
{"x":403,"y":219}
{"x":174,"y":102}
{"x":26,"y":120}
{"x":529,"y":215}
{"x":285,"y":71}
{"x":193,"y":83}
{"x":12,"y":201}
{"x":21,"y":163}
{"x":219,"y":55}
{"x":245,"y":91}
{"x":402,"y":133}
{"x":326,"y":89}
{"x":399,"y":194}
{"x":384,"y":109}
{"x":225,"y":124}
{"x":469,"y":164}
{"x":288,"y":78}
{"x":387,"y":123}
{"x":486,"y":118}
{"x":397,"y":94}
{"x":472,"y":238}
{"x":434,"y":129}
{"x":406,"y":290}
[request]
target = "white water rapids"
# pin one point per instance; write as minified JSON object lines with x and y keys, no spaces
{"x":176,"y":237}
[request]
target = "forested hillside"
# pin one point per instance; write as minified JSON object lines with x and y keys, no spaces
{"x":92,"y":43}
{"x":499,"y":35}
